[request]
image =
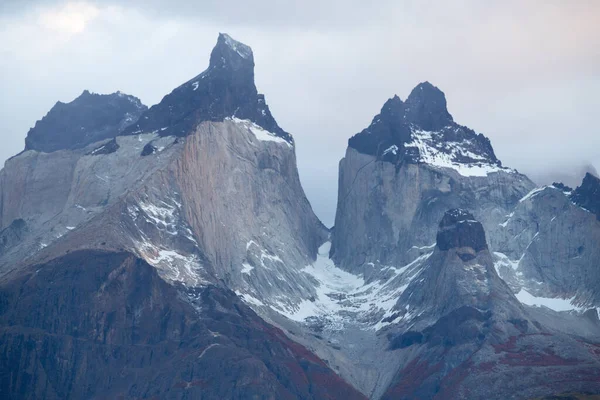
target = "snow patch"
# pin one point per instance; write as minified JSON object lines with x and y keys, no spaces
{"x":343,"y":298}
{"x":249,"y":299}
{"x":556,"y":304}
{"x":429,"y":154}
{"x":97,"y":150}
{"x":241,"y":49}
{"x":258,"y":132}
{"x":175,"y":266}
{"x":532,"y":193}
{"x":163,"y":215}
{"x":502,"y":259}
{"x":246,"y":268}
{"x":392,"y":149}
{"x":505,"y":223}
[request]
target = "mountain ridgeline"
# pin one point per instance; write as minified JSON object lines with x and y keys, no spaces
{"x":170,"y":252}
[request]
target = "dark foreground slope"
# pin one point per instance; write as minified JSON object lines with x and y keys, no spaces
{"x":99,"y":325}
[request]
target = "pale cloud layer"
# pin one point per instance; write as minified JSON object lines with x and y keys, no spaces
{"x":526,"y":74}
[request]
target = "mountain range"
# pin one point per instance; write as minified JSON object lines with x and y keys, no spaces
{"x":170,"y":253}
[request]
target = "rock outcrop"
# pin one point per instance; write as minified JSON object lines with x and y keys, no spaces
{"x":422,"y":130}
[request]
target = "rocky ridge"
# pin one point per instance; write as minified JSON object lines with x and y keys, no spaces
{"x":421,"y":130}
{"x":87,"y":119}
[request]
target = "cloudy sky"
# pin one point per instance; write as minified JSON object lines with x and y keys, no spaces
{"x":525,"y":73}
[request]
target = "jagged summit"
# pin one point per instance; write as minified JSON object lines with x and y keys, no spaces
{"x":89,"y":118}
{"x":224,"y":90}
{"x":421,"y":130}
{"x":587,"y":195}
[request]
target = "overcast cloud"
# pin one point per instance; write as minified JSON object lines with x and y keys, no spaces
{"x":525,"y":73}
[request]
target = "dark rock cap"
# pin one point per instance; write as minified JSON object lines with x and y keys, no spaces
{"x":587,"y":195}
{"x":426,"y":107}
{"x":225,"y":89}
{"x":392,"y":133}
{"x":87,"y":119}
{"x":388,"y":128}
{"x":459,"y":229}
{"x":231,"y":54}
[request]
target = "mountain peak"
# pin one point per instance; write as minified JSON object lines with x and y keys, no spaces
{"x":460,"y":230}
{"x":587,"y":195}
{"x":422,"y":131}
{"x":228,"y":53}
{"x":240,"y":48}
{"x":426,"y":107}
{"x":87,"y":119}
{"x":225,"y":89}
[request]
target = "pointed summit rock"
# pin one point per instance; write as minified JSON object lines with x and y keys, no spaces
{"x":426,"y":107}
{"x":225,"y":89}
{"x":87,"y":119}
{"x":587,"y":195}
{"x":232,"y":55}
{"x":387,"y":132}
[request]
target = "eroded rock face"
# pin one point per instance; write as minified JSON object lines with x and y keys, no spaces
{"x":402,"y":173}
{"x":87,"y":119}
{"x":218,"y":205}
